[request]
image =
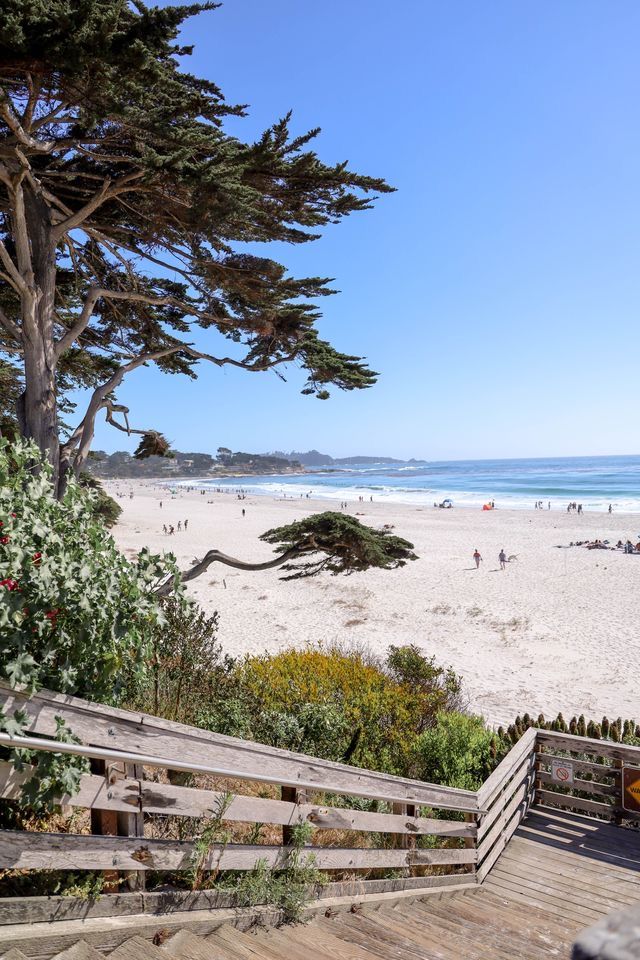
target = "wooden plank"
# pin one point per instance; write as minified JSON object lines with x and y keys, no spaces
{"x":27,"y":851}
{"x":583,"y":766}
{"x":572,"y":865}
{"x":494,"y":784}
{"x":507,"y":832}
{"x":14,"y":910}
{"x":599,"y":748}
{"x":142,"y":734}
{"x":536,"y":926}
{"x":581,"y":855}
{"x":546,"y":797}
{"x":586,"y":786}
{"x":93,"y":791}
{"x":165,"y":798}
{"x":519,"y":802}
{"x":439,"y":933}
{"x":537,"y":889}
{"x":372,"y":937}
{"x":491,"y":927}
{"x":569,"y":879}
{"x":572,"y":890}
{"x":523,"y":778}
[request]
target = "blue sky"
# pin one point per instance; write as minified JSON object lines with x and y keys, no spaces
{"x":498,"y":291}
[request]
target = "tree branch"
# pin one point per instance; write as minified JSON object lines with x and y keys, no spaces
{"x":10,"y":326}
{"x":108,"y":190}
{"x":16,"y":280}
{"x":216,"y":556}
{"x":10,"y":118}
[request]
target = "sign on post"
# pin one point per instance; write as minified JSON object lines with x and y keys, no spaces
{"x":562,"y":771}
{"x":631,"y":789}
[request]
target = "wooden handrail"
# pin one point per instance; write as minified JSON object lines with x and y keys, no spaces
{"x":599,"y":748}
{"x":182,"y":746}
{"x":129,"y":741}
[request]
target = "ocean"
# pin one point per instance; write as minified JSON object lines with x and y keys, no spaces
{"x":595,"y":482}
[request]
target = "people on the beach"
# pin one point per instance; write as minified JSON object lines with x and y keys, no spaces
{"x":502,"y":557}
{"x":477,"y":557}
{"x":610,"y":508}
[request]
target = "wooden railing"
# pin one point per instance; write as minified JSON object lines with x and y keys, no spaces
{"x":124,"y":797}
{"x":124,"y":742}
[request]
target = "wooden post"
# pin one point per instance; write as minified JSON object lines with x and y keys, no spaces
{"x":114,"y":823}
{"x":470,"y":843}
{"x":132,"y":825}
{"x":539,"y":751}
{"x":405,"y":841}
{"x":617,"y":811}
{"x":291,"y":795}
{"x":105,"y":823}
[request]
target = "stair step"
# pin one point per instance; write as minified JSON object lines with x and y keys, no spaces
{"x":80,"y":951}
{"x":311,"y":939}
{"x":184,"y":945}
{"x":449,"y":934}
{"x":241,"y":946}
{"x":13,"y":954}
{"x":137,"y":948}
{"x":486,"y":928}
{"x":383,"y":942}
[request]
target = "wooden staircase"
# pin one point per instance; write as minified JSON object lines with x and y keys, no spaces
{"x":560,"y":873}
{"x":514,"y":870}
{"x":479,"y":924}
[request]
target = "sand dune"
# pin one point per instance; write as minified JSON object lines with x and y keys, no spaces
{"x":557,"y":630}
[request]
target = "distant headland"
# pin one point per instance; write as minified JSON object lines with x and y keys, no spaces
{"x":225,"y":463}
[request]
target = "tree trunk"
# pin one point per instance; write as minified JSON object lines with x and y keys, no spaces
{"x":38,"y":412}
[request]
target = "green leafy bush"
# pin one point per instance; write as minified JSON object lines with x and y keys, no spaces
{"x":459,"y":751}
{"x":341,"y":704}
{"x":75,"y":614}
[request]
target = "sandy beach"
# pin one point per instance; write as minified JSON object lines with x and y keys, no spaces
{"x":556,"y":631}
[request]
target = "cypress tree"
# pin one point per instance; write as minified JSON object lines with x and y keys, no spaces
{"x":129,"y":219}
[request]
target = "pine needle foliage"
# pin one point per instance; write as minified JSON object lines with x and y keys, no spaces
{"x":345,"y":545}
{"x":125,"y":212}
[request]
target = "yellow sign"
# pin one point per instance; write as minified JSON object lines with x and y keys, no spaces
{"x":631,"y":789}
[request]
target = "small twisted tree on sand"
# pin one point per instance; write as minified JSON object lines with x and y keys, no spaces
{"x":125,"y":211}
{"x":332,"y":542}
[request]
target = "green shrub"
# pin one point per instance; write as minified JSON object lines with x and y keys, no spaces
{"x":75,"y":614}
{"x":103,"y":506}
{"x":459,"y":751}
{"x":345,"y":705}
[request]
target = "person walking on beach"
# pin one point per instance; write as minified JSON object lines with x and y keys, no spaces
{"x":502,"y":557}
{"x":610,"y":508}
{"x":477,"y":557}
{"x":185,"y":524}
{"x":179,"y":525}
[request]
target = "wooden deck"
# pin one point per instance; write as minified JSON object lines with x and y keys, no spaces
{"x":569,"y":865}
